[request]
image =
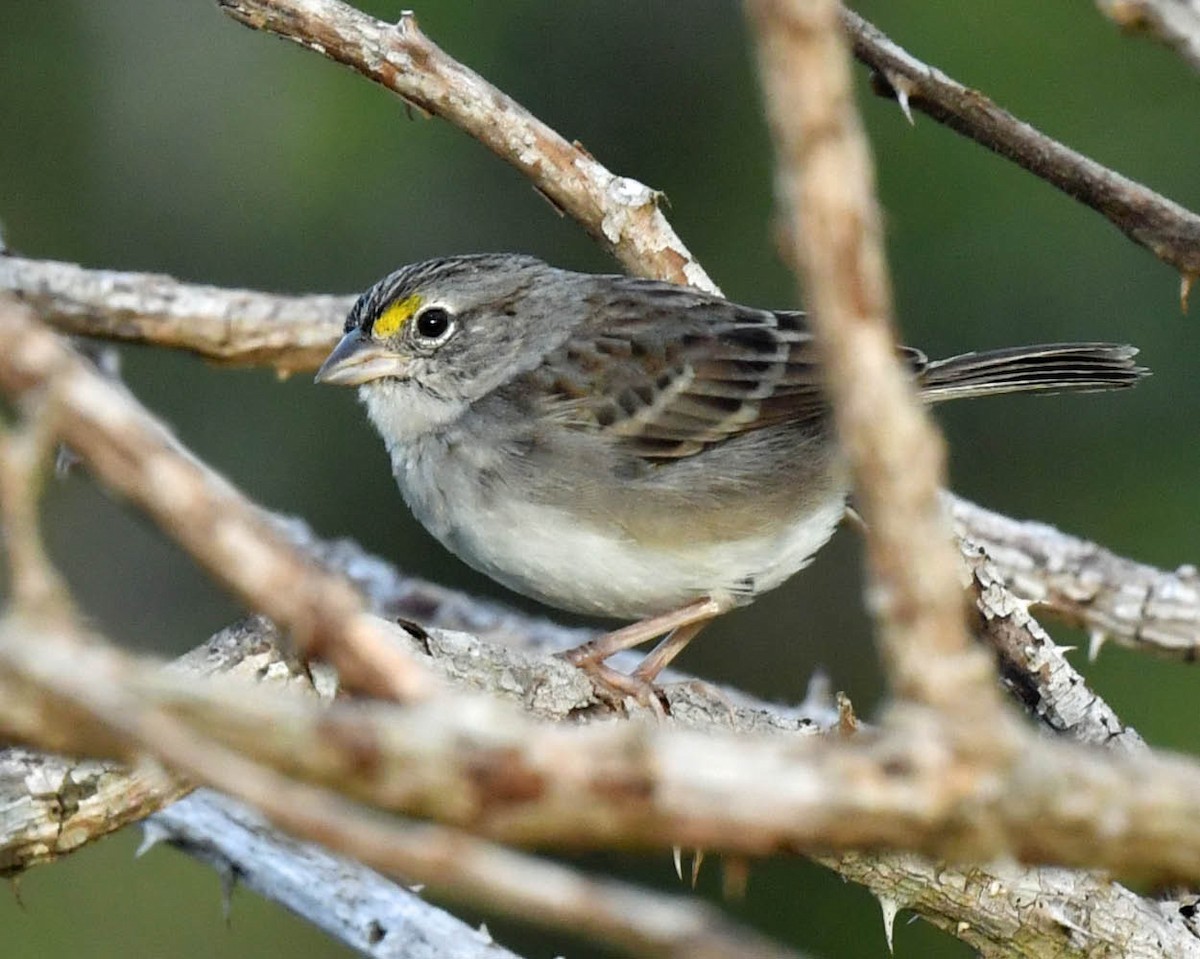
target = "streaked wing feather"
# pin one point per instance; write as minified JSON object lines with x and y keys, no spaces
{"x":692,"y":374}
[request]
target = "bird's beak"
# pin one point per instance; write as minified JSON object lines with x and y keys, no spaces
{"x":357,"y":360}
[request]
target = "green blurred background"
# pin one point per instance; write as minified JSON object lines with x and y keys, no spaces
{"x":159,"y":135}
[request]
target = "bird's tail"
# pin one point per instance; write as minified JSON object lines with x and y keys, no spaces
{"x":1050,"y":368}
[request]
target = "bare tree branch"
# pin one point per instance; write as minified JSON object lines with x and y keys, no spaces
{"x":290,"y":333}
{"x":621,"y":214}
{"x":1173,"y":22}
{"x":1166,"y":229}
{"x":1087,"y":585}
{"x":474,"y":763}
{"x":826,"y":186}
{"x":138,"y":457}
{"x":372,"y":914}
{"x":48,"y":689}
{"x":1033,"y":912}
{"x":1035,"y":668}
{"x":1014,"y":913}
{"x":52,"y":805}
{"x":550,"y":689}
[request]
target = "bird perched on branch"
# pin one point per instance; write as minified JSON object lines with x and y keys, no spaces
{"x":624,"y":447}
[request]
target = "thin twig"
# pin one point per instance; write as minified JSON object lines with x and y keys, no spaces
{"x":137,"y":456}
{"x":826,"y":186}
{"x":25,"y":452}
{"x":1168,"y":230}
{"x":621,"y":214}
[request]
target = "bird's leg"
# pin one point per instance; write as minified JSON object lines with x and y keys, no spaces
{"x":671,"y":646}
{"x":602,"y":647}
{"x":681,"y":625}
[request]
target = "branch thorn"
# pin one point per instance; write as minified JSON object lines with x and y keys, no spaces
{"x":152,"y":834}
{"x":889,"y":907}
{"x":229,"y":878}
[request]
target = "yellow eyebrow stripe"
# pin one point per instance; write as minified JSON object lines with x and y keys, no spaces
{"x":395,"y":316}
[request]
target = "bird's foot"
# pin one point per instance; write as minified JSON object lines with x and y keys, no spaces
{"x":615,"y":688}
{"x":679,"y":626}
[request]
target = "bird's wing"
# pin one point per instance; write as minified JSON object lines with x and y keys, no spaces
{"x":670,"y":372}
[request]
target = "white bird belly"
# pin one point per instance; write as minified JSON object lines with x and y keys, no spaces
{"x":546,"y":555}
{"x":542,"y":552}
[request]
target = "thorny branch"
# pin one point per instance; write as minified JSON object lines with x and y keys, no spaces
{"x":472,"y":762}
{"x":477,"y":762}
{"x":51,"y":681}
{"x":38,"y":828}
{"x":1169,"y":231}
{"x":386,"y":920}
{"x":375,"y":915}
{"x":1086,"y":585}
{"x":515,"y":666}
{"x":54,"y":805}
{"x":1007,"y":911}
{"x":1034,"y":667}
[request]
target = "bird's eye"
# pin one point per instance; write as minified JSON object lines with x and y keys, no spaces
{"x":433,"y":323}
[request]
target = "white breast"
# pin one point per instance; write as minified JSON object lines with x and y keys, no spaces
{"x":543,"y":553}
